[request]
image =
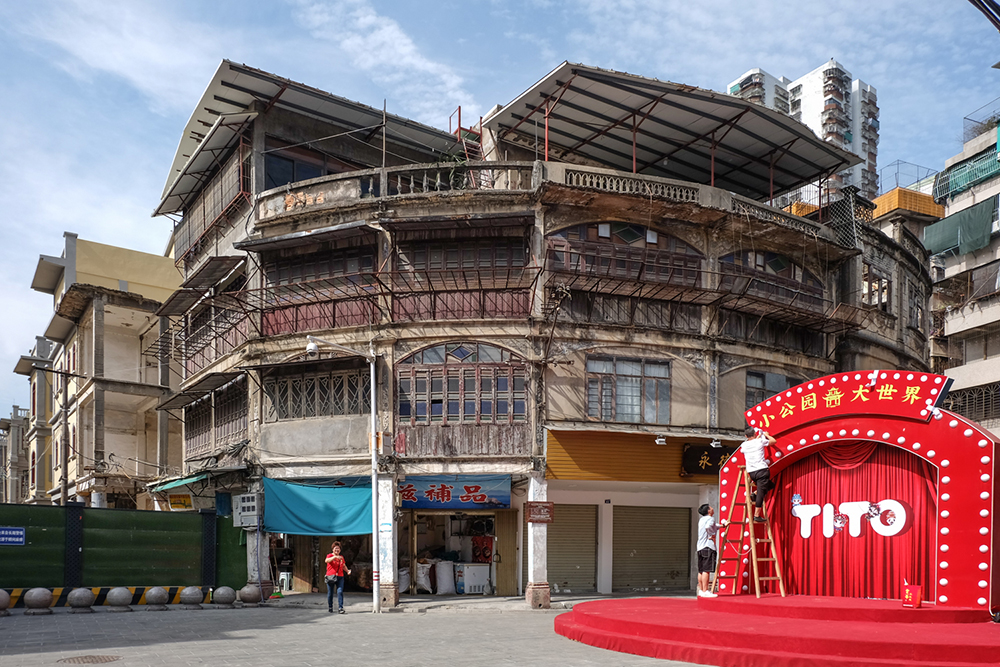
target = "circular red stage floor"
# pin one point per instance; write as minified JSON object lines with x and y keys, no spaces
{"x":796,"y":631}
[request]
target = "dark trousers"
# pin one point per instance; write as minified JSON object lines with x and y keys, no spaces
{"x":340,"y":593}
{"x":762,"y":478}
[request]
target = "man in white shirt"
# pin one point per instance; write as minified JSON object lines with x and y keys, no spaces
{"x":754,"y":450}
{"x":707,"y":528}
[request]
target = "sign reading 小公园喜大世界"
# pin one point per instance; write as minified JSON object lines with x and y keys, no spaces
{"x":455,"y":492}
{"x":899,"y":393}
{"x":11,"y":536}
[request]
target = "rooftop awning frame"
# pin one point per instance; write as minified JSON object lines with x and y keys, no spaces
{"x":631,"y":123}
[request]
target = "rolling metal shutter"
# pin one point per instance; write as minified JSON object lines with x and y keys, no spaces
{"x":571,"y":549}
{"x":651,"y":549}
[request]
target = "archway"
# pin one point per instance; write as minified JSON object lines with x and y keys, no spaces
{"x":884,"y":410}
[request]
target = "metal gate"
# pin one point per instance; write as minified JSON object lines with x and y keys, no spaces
{"x":571,"y":549}
{"x":651,"y":549}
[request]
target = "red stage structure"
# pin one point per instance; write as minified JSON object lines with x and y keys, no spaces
{"x":877,"y":488}
{"x":877,"y":485}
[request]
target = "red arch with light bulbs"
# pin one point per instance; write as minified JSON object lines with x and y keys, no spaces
{"x":901,"y":409}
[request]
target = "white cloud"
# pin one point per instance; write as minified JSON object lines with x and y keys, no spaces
{"x":378,"y":45}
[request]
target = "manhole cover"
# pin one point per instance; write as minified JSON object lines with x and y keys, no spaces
{"x":90,"y":659}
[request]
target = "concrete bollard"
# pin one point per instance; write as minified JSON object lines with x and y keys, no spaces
{"x":191,"y":598}
{"x":224,"y":597}
{"x":81,"y":600}
{"x":250,"y":595}
{"x":38,"y":602}
{"x":119,"y":599}
{"x":157,"y":598}
{"x":4,"y":602}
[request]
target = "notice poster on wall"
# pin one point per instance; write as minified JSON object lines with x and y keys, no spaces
{"x":180,"y":501}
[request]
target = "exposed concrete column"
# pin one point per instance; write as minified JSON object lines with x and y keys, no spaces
{"x":162,"y":418}
{"x":258,"y":558}
{"x":387,"y":537}
{"x":98,"y":499}
{"x":98,"y":423}
{"x":98,"y":305}
{"x":537,"y":591}
{"x":713,"y":390}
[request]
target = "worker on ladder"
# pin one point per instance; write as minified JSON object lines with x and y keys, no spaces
{"x":754,"y":450}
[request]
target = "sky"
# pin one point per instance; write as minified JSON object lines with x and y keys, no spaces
{"x":95,"y":95}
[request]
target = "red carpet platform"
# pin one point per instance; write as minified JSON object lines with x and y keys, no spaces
{"x":796,"y":631}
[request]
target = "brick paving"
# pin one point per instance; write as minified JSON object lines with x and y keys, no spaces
{"x":498,"y":634}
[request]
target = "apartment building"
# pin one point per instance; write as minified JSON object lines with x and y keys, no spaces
{"x":966,"y":258}
{"x":94,"y":434}
{"x":838,"y":108}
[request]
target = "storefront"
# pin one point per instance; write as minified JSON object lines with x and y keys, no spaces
{"x":624,"y":515}
{"x":457,"y":535}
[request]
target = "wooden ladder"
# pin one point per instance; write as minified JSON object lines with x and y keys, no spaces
{"x":732,"y":541}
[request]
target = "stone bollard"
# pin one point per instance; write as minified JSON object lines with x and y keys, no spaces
{"x":38,"y":602}
{"x":224,"y":597}
{"x":250,"y":595}
{"x":191,"y":598}
{"x":119,"y":599}
{"x":4,"y":602}
{"x":157,"y":598}
{"x":80,"y":601}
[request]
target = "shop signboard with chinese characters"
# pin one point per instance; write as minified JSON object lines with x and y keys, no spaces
{"x":703,"y":459}
{"x":539,"y":511}
{"x":455,"y":492}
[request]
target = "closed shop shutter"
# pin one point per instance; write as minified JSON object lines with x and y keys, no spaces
{"x":572,"y":549}
{"x":652,"y":548}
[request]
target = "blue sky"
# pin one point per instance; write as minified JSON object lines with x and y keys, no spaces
{"x":96,"y":94}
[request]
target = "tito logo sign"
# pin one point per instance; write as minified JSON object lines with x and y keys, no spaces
{"x":887,"y":518}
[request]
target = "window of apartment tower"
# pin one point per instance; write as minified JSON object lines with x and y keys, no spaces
{"x":33,"y":463}
{"x":876,"y":288}
{"x":462,"y":383}
{"x":761,"y":386}
{"x":628,"y":390}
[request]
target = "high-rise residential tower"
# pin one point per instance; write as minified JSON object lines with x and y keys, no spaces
{"x":837,"y":107}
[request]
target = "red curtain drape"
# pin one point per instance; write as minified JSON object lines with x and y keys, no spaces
{"x":870,"y":565}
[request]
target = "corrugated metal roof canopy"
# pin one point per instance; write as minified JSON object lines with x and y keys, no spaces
{"x":235,"y":87}
{"x":666,"y":129}
{"x":212,"y":271}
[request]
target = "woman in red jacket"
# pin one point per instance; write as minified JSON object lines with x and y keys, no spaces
{"x":336,"y":568}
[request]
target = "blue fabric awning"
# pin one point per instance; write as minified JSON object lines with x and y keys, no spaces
{"x":299,"y":509}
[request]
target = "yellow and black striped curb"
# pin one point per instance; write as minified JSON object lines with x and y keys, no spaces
{"x":60,"y":595}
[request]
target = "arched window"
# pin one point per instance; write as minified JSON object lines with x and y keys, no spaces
{"x":469,"y":383}
{"x":774,"y":277}
{"x":622,"y":250}
{"x":72,"y":441}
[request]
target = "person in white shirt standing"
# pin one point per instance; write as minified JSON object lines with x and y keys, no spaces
{"x":754,"y":450}
{"x":707,"y":528}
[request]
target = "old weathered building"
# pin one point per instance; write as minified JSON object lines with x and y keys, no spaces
{"x":93,"y":433}
{"x":573,"y":301}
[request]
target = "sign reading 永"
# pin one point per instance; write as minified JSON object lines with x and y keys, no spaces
{"x":11,"y":537}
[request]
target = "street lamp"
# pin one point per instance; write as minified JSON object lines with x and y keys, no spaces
{"x":312,"y":350}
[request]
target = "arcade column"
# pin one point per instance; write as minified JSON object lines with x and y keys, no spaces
{"x":537,"y":591}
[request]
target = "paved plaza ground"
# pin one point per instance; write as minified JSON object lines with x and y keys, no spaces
{"x":434,"y":632}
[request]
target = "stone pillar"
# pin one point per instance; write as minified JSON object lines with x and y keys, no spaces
{"x":98,"y":499}
{"x":387,"y":561}
{"x":537,"y":591}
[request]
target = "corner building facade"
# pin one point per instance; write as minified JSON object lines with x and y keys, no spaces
{"x":555,"y":326}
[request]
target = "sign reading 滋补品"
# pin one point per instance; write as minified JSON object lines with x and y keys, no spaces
{"x":11,"y":536}
{"x":455,"y":492}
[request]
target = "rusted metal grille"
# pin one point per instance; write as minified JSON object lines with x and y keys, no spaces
{"x":90,"y":659}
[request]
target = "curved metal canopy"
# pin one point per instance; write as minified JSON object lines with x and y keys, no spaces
{"x":647,"y":126}
{"x":225,"y":107}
